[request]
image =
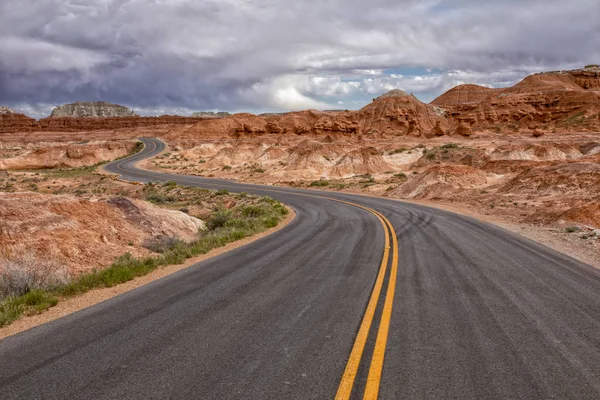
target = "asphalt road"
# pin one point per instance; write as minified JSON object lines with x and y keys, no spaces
{"x":476,"y":313}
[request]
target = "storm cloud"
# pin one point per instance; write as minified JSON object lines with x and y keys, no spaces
{"x":167,"y":56}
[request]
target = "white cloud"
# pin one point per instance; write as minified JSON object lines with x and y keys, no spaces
{"x":234,"y":54}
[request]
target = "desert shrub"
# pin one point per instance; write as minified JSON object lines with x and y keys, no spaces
{"x":221,"y":192}
{"x":169,"y":185}
{"x":24,"y":272}
{"x":253,"y":211}
{"x":161,"y":243}
{"x":226,"y":167}
{"x":155,"y":194}
{"x":32,"y":302}
{"x":259,"y":171}
{"x":218,"y":218}
{"x":571,"y":229}
{"x":320,"y":182}
{"x":370,"y":179}
{"x":224,"y":225}
{"x":450,"y":146}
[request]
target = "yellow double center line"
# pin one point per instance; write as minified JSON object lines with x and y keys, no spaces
{"x":374,"y":378}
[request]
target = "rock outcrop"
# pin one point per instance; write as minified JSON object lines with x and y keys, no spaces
{"x":563,"y":101}
{"x":81,"y":233}
{"x":11,"y":121}
{"x":72,"y":124}
{"x":96,"y":109}
{"x":68,"y":156}
{"x":392,"y":113}
{"x":298,"y":122}
{"x":464,"y":94}
{"x":6,"y":110}
{"x":210,"y":114}
{"x":397,"y":112}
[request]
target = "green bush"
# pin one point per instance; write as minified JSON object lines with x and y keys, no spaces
{"x":218,"y":219}
{"x":450,"y":146}
{"x":319,"y":183}
{"x":224,"y":226}
{"x":253,"y":211}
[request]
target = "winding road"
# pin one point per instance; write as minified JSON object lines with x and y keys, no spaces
{"x":358,"y":297}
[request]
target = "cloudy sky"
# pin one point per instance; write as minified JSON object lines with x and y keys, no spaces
{"x":178,"y":56}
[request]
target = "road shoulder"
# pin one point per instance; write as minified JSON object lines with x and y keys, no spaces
{"x":70,"y":305}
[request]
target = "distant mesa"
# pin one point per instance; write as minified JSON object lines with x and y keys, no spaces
{"x":96,"y":109}
{"x":6,"y":110}
{"x":210,"y":114}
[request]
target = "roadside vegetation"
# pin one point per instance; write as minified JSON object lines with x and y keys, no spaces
{"x":30,"y":285}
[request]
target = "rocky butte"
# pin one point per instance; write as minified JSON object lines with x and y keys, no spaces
{"x":96,"y":109}
{"x":210,"y":114}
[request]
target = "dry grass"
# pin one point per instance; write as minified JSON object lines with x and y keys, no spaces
{"x":22,"y":272}
{"x":31,"y":285}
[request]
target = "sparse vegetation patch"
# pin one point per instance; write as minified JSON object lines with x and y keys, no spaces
{"x":29,"y":285}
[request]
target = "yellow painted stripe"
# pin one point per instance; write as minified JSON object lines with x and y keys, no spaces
{"x":374,"y":378}
{"x":345,"y":387}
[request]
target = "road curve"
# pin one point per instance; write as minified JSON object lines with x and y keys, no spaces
{"x":476,"y":313}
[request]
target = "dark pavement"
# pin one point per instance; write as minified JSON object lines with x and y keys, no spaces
{"x":478,"y":313}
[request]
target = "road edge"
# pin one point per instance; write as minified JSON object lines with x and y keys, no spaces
{"x":73,"y":304}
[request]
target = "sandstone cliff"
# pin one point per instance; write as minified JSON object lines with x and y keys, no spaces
{"x":567,"y":101}
{"x":210,"y":114}
{"x":397,"y":112}
{"x":11,"y":121}
{"x":97,"y":109}
{"x":83,"y":234}
{"x":392,"y":113}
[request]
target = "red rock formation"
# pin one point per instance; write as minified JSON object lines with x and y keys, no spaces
{"x":567,"y":101}
{"x":72,"y":124}
{"x":563,"y":101}
{"x":11,"y":121}
{"x":397,"y":112}
{"x":464,"y":94}
{"x":299,"y":122}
